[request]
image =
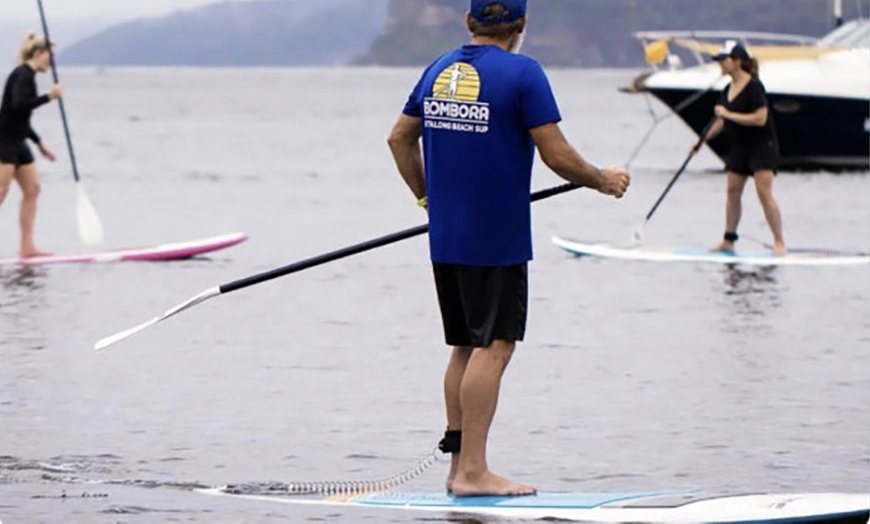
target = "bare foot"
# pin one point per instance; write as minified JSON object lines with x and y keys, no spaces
{"x":33,"y":253}
{"x":778,"y":249}
{"x":724,"y":246}
{"x":488,"y":484}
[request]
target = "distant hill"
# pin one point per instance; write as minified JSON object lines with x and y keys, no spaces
{"x":570,"y":33}
{"x":65,"y":33}
{"x":262,"y":33}
{"x":593,"y":33}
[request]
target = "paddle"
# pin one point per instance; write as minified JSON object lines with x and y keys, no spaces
{"x":677,"y":109}
{"x":299,"y":266}
{"x":89,"y":226}
{"x":637,"y":233}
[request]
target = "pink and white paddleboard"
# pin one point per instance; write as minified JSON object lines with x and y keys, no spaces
{"x":160,"y":253}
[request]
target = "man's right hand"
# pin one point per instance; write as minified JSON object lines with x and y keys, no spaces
{"x":615,"y":181}
{"x":55,"y":92}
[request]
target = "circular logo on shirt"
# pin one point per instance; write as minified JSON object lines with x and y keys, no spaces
{"x":460,"y":81}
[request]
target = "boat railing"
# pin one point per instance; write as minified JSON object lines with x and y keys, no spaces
{"x":743,"y":36}
{"x":701,"y":44}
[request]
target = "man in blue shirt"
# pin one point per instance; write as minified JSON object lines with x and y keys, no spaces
{"x":481,"y":110}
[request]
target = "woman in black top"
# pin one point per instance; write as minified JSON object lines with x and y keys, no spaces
{"x":20,"y":99}
{"x":744,"y":115}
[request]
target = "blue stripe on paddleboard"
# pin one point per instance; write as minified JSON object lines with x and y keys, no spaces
{"x":700,"y":251}
{"x":549,"y":500}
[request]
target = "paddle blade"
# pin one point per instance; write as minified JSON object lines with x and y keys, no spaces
{"x":108,"y":341}
{"x":198,"y":299}
{"x":635,"y":237}
{"x":90,"y":227}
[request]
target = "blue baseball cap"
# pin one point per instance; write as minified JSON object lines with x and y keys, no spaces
{"x":731,"y":49}
{"x":516,"y":10}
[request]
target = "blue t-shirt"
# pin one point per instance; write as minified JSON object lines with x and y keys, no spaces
{"x":478,"y":104}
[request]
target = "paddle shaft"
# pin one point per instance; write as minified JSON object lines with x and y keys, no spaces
{"x":72,"y":155}
{"x":361,"y":247}
{"x":680,"y":171}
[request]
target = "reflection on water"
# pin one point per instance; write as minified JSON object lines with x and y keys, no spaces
{"x":462,"y":519}
{"x":752,"y":290}
{"x":21,"y":278}
{"x":22,"y":292}
{"x":20,"y":289}
{"x":746,"y":280}
{"x":750,"y":295}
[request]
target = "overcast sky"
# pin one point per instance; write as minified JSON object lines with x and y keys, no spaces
{"x":65,"y":10}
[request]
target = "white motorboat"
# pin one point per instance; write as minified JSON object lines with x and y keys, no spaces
{"x":819,"y":89}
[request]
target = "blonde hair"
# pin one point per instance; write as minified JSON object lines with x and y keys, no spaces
{"x":32,"y":44}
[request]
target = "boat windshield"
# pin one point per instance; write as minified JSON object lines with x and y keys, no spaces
{"x":855,"y":33}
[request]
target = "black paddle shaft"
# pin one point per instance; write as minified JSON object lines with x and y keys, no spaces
{"x":361,"y":247}
{"x":682,"y":168}
{"x":72,"y":155}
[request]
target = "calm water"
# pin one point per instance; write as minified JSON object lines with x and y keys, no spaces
{"x":634,"y":376}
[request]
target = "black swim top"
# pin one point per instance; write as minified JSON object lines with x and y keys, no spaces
{"x":752,"y":98}
{"x":20,"y":98}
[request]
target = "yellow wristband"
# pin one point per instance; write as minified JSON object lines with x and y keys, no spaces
{"x":422,"y":202}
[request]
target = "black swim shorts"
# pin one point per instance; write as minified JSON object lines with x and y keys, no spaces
{"x":746,"y":160}
{"x":482,"y":304}
{"x":15,"y":152}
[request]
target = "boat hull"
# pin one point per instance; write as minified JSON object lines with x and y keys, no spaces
{"x":814,"y":132}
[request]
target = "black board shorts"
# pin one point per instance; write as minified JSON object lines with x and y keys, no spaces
{"x":746,"y":160}
{"x":15,"y":152}
{"x":481,"y":304}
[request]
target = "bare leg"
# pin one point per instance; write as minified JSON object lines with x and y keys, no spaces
{"x":28,"y":179}
{"x":478,"y":396}
{"x":764,"y":188}
{"x":733,"y":209}
{"x":452,"y":383}
{"x":7,"y":173}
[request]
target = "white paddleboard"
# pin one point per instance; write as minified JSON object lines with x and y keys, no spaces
{"x":796,"y":257}
{"x":648,"y":507}
{"x":159,"y":253}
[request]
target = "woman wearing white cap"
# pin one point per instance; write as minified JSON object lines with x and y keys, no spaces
{"x":743,"y":113}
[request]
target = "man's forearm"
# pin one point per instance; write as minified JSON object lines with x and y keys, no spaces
{"x":409,"y":161}
{"x":571,"y":166}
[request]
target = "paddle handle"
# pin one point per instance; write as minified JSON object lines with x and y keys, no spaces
{"x":361,"y":247}
{"x":72,"y":154}
{"x":323,"y":259}
{"x":682,"y":168}
{"x":553,"y":191}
